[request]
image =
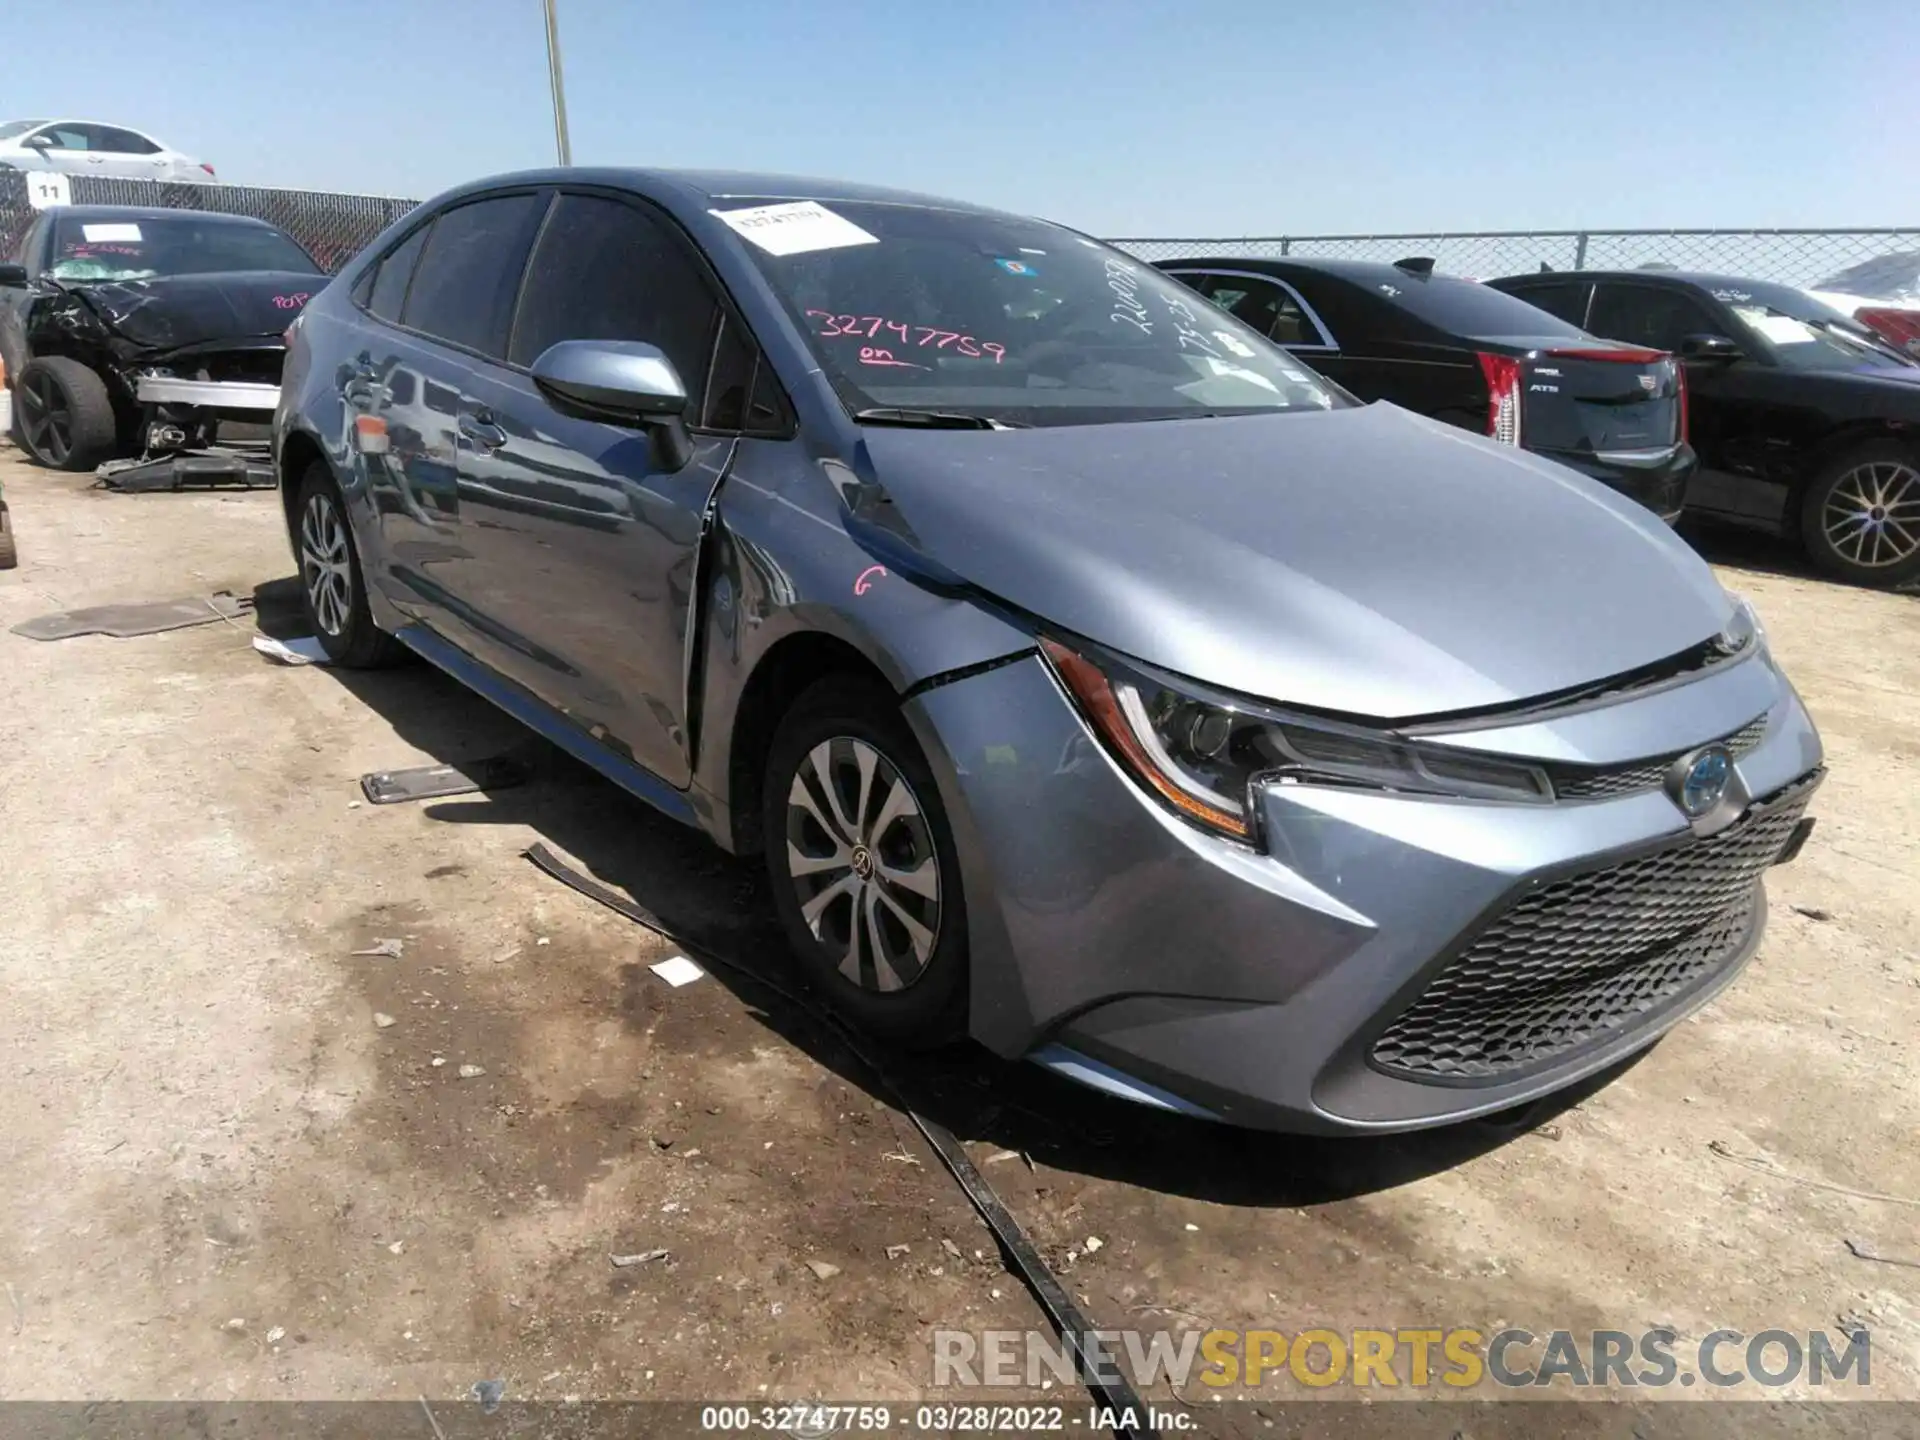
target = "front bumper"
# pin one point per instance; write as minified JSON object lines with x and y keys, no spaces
{"x":1657,"y":479}
{"x":1284,"y":988}
{"x":207,"y":394}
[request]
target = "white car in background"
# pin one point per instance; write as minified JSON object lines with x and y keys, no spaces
{"x":1882,"y":294}
{"x":87,"y":147}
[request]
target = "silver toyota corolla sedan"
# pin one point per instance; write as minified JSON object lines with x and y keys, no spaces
{"x":1094,"y":677}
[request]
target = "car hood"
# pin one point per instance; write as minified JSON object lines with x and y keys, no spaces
{"x":1365,"y":561}
{"x":172,"y":312}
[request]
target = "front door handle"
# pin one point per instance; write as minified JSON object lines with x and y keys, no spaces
{"x":478,"y":427}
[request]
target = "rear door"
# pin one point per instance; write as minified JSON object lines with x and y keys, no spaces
{"x":130,"y":155}
{"x":584,"y":549}
{"x":1391,"y":352}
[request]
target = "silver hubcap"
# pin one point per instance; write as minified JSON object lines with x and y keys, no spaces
{"x":863,"y":864}
{"x":325,"y":565}
{"x":1872,"y":515}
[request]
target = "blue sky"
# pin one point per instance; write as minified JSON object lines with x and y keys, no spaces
{"x":1213,"y":117}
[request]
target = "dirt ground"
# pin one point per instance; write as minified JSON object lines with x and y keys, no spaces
{"x":227,"y":1176}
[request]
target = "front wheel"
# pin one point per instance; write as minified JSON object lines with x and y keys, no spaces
{"x":1860,"y":518}
{"x":333,"y":587}
{"x":62,"y":414}
{"x":865,"y":876}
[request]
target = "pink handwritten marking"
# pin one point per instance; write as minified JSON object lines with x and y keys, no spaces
{"x":863,"y":583}
{"x":866,"y":327}
{"x":292,"y":302}
{"x":871,"y":356}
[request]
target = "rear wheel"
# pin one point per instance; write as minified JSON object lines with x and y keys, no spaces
{"x":332,"y":588}
{"x":862,"y":861}
{"x":63,"y":415}
{"x":1860,"y":518}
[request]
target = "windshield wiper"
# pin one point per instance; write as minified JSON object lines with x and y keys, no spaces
{"x":932,"y":419}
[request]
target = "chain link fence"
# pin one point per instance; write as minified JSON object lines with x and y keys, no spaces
{"x":333,"y":228}
{"x":1787,"y":257}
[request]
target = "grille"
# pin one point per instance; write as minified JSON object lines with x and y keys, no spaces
{"x":1580,"y":782}
{"x":1581,"y":957}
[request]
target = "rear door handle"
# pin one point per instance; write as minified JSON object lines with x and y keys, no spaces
{"x":477,"y":425}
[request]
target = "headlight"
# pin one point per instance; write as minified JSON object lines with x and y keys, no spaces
{"x":1202,"y":753}
{"x":1743,"y":629}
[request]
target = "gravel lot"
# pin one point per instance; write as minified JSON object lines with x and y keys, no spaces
{"x":227,"y":1178}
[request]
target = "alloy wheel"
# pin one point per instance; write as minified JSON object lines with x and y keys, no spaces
{"x":861,"y":858}
{"x":1872,"y":514}
{"x":326,"y":566}
{"x":46,"y":420}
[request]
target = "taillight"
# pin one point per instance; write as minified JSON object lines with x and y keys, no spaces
{"x":1680,"y":392}
{"x":1503,"y":396}
{"x":1899,"y":327}
{"x":208,"y":168}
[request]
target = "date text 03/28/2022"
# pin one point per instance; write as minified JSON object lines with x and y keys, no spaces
{"x":807,"y":1422}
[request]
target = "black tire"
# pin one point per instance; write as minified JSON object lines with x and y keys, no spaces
{"x":1860,"y":515}
{"x":62,"y":414}
{"x":9,"y":556}
{"x":838,"y":716}
{"x":332,"y":589}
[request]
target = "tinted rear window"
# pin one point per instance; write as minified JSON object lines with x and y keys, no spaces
{"x":1461,"y":307}
{"x":390,"y":285}
{"x":1565,"y":298}
{"x":468,"y":275}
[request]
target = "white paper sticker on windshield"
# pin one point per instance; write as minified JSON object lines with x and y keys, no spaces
{"x":1780,"y":329}
{"x":106,"y":234}
{"x":795,"y":228}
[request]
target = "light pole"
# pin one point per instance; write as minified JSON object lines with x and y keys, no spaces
{"x":560,"y":142}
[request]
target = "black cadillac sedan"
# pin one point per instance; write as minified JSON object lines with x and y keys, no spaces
{"x":1806,"y":421}
{"x":1452,"y":349}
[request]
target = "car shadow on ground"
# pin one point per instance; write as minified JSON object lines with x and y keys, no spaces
{"x":1721,"y":542}
{"x":716,"y":906}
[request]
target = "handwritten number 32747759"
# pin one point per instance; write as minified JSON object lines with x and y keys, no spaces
{"x":873,"y":327}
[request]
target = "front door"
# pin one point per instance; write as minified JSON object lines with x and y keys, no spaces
{"x":68,"y":147}
{"x":580,"y":550}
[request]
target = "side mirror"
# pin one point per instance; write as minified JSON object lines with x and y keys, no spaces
{"x":621,"y":382}
{"x":13,"y":277}
{"x":1709,"y":347}
{"x":38,"y":142}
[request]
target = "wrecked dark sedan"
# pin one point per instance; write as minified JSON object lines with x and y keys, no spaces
{"x":1094,"y":678}
{"x":138,"y":333}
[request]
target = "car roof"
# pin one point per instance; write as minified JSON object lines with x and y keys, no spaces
{"x":153,"y":212}
{"x":1692,"y":279}
{"x":1361,"y":272}
{"x":79,"y":120}
{"x":720,"y":185}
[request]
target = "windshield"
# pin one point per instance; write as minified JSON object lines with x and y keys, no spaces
{"x":915,"y":308}
{"x":11,"y":128}
{"x":143,"y":248}
{"x":1811,"y":336}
